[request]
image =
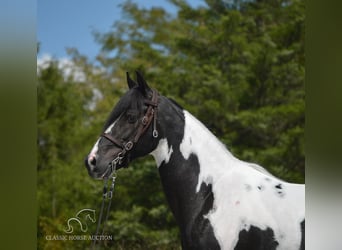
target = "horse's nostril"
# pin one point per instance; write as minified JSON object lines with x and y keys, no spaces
{"x":92,"y":161}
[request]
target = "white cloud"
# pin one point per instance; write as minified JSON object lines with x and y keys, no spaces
{"x":67,"y":66}
{"x":70,"y":70}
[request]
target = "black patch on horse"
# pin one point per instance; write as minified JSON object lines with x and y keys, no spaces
{"x":281,"y":194}
{"x":187,"y":205}
{"x":302,"y":243}
{"x":179,"y":179}
{"x":256,"y":239}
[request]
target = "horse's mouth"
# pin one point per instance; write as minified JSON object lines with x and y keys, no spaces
{"x":101,"y":173}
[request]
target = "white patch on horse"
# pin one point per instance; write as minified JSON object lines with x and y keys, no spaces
{"x":245,"y":194}
{"x":95,"y":148}
{"x":109,"y":129}
{"x":163,"y":152}
{"x":92,"y":154}
{"x":211,"y":153}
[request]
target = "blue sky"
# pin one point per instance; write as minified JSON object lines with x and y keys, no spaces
{"x":69,"y":23}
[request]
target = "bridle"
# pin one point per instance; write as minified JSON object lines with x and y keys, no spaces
{"x":126,"y":147}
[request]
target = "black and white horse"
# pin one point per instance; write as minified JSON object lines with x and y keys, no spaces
{"x":218,"y":201}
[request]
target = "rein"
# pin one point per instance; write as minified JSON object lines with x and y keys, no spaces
{"x":151,"y":114}
{"x":106,"y":195}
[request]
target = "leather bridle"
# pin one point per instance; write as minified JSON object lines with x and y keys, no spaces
{"x":126,"y":146}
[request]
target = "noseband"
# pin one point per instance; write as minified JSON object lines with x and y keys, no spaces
{"x":126,"y":147}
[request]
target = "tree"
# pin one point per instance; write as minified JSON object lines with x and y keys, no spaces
{"x":62,"y":109}
{"x":239,"y":68}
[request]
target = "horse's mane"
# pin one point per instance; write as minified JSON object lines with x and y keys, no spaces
{"x":252,"y":165}
{"x":175,"y":103}
{"x":177,"y":107}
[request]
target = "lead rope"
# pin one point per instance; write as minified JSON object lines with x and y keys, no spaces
{"x":109,"y":196}
{"x":104,"y":195}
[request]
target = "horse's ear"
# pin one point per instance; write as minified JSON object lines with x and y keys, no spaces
{"x":143,"y":87}
{"x":130,"y":82}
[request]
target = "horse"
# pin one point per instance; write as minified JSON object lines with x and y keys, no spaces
{"x":217,"y":200}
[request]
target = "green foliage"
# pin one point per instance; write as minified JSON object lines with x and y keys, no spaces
{"x":238,"y":67}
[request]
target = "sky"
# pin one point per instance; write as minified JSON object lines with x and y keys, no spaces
{"x":65,"y":24}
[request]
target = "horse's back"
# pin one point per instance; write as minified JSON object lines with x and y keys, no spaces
{"x":254,"y":210}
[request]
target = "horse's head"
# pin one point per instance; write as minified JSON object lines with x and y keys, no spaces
{"x":130,"y":131}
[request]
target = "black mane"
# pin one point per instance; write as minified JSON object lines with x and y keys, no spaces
{"x":175,"y":103}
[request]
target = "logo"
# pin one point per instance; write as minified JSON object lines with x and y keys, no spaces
{"x":79,"y":222}
{"x":81,"y":218}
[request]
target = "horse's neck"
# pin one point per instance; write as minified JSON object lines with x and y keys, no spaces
{"x":193,"y":139}
{"x":214,"y":158}
{"x":189,"y":163}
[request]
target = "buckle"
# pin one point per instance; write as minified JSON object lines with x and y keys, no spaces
{"x":144,"y":120}
{"x":110,"y":195}
{"x":129,"y":146}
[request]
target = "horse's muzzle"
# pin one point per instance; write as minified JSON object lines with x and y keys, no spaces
{"x":101,"y":172}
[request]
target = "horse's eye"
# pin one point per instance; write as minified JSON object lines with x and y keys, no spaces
{"x":132,"y":117}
